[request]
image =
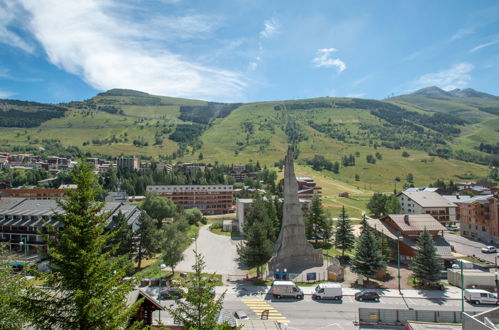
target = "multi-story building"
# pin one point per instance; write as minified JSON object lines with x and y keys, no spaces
{"x":22,"y":220}
{"x":428,"y":202}
{"x":307,"y":187}
{"x":34,"y":193}
{"x":239,"y":173}
{"x":128,"y":163}
{"x":210,"y":199}
{"x":480,"y":218}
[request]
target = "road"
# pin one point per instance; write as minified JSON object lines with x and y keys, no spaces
{"x":308,"y":314}
{"x":219,"y":252}
{"x":468,"y":247}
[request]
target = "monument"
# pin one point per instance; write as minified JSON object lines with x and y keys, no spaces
{"x":292,"y":251}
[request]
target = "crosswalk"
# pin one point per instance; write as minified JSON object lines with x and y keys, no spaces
{"x":260,"y":305}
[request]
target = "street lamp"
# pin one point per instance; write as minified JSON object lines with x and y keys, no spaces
{"x":399,"y":238}
{"x":24,"y":245}
{"x":159,"y":290}
{"x":462,"y":285}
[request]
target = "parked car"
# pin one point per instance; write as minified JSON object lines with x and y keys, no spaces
{"x":285,"y":289}
{"x":453,"y":228}
{"x":328,"y":291}
{"x":489,"y":249}
{"x":170,"y":293}
{"x":367,"y":295}
{"x":241,"y":315}
{"x":477,"y":296}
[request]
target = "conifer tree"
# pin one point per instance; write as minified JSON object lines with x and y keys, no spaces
{"x":368,"y":258}
{"x":199,"y":308}
{"x":344,"y":238}
{"x":316,"y":224}
{"x":83,"y":291}
{"x":426,"y":264}
{"x":147,"y":238}
{"x":122,"y":241}
{"x":11,"y":288}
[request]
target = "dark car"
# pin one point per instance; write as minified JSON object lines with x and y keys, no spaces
{"x":169,"y":294}
{"x":367,"y":295}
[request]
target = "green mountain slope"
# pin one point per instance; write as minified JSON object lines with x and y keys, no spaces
{"x":432,"y":126}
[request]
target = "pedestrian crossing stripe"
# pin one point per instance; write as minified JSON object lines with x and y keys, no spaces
{"x":260,"y":305}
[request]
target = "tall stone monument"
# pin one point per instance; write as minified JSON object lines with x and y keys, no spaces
{"x":292,"y":250}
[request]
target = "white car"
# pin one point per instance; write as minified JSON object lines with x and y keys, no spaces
{"x":489,"y":249}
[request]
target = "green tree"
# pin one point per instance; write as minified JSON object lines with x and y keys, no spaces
{"x":172,"y":245}
{"x":194,"y":216}
{"x":392,"y":205}
{"x":426,"y":264}
{"x":376,"y":205}
{"x":11,"y":288}
{"x":385,"y":248}
{"x":158,"y":208}
{"x":316,"y":224}
{"x":368,"y":257}
{"x":344,"y":238}
{"x":122,"y":242}
{"x":83,"y":291}
{"x":199,"y":308}
{"x":146,"y":238}
{"x":410,"y":178}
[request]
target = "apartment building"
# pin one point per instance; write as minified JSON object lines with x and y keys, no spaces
{"x":209,"y":199}
{"x":428,"y":202}
{"x":307,"y":187}
{"x":480,"y":218}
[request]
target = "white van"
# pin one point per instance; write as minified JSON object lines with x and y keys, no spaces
{"x":328,"y":291}
{"x":477,"y":296}
{"x":286,"y":289}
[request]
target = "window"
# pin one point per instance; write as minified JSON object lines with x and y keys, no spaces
{"x":484,"y":295}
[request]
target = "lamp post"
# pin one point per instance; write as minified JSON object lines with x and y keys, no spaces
{"x":24,"y":245}
{"x":159,"y":290}
{"x":398,"y":259}
{"x":462,"y":285}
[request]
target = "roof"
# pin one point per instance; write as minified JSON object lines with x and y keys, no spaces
{"x":457,"y":198}
{"x":136,"y":294}
{"x":428,"y":199}
{"x":413,"y":189}
{"x":382,"y":227}
{"x":480,"y":199}
{"x":415,"y":222}
{"x":443,"y":247}
{"x":415,"y":325}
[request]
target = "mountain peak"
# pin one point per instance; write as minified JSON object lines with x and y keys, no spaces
{"x":123,"y":92}
{"x":432,"y":91}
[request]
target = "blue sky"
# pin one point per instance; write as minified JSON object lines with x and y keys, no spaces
{"x":245,"y":50}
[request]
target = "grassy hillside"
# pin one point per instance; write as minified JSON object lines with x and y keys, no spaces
{"x":134,"y":123}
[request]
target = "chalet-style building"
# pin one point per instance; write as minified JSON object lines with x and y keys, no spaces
{"x":22,"y":220}
{"x":480,"y":218}
{"x":146,"y":309}
{"x":428,"y":202}
{"x":409,"y":227}
{"x":307,"y":187}
{"x":209,"y":199}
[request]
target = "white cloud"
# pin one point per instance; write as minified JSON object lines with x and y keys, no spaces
{"x":270,"y":28}
{"x":461,"y":33}
{"x":324,"y":59}
{"x":111,"y":51}
{"x":356,"y":95}
{"x":8,"y":11}
{"x":5,"y":94}
{"x":494,"y":41}
{"x":457,"y":76}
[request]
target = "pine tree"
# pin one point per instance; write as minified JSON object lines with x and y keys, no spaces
{"x":11,"y":288}
{"x":368,"y":258}
{"x":199,"y":308}
{"x":146,"y":238}
{"x":83,"y":291}
{"x":392,"y":205}
{"x":426,"y":264}
{"x":344,"y":238}
{"x":384,"y":247}
{"x":316,"y":224}
{"x":257,"y":249}
{"x":122,"y":241}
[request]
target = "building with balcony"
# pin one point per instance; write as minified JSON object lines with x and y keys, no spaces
{"x":480,"y":218}
{"x":34,"y":193}
{"x":209,"y":199}
{"x":307,"y":187}
{"x":428,"y":202}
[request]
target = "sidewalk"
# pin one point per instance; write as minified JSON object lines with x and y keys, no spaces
{"x":448,"y":293}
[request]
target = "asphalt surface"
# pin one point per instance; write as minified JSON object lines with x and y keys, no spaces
{"x":468,"y":247}
{"x":219,"y":253}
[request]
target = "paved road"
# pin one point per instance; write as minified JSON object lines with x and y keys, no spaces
{"x":308,"y":314}
{"x":219,"y":252}
{"x":466,"y":246}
